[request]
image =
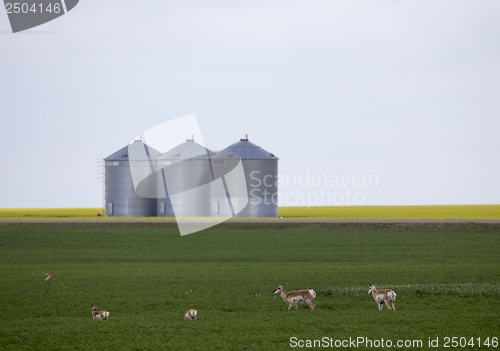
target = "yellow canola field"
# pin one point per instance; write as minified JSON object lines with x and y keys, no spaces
{"x":443,"y":212}
{"x":395,"y":212}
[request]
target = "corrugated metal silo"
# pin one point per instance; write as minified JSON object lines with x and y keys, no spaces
{"x":186,"y":173}
{"x":120,"y":197}
{"x":261,"y":172}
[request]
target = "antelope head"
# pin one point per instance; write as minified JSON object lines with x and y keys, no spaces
{"x":278,"y":290}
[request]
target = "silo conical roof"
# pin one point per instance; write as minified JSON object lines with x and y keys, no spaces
{"x":120,"y":155}
{"x":123,"y":153}
{"x":186,"y":151}
{"x":245,"y":150}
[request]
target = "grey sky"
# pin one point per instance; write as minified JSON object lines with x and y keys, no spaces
{"x":406,"y":91}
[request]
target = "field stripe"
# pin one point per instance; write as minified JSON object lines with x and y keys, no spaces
{"x":457,"y":290}
{"x":461,"y":213}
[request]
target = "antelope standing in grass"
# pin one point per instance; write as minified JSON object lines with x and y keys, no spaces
{"x":190,"y":314}
{"x":99,"y":315}
{"x":296,"y":297}
{"x":386,"y":296}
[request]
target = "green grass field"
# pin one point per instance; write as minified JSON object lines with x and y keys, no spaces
{"x":461,"y":212}
{"x":447,"y":277}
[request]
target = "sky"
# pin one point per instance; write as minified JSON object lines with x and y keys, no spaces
{"x":364,"y":102}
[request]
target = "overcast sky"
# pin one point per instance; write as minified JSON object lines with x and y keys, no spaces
{"x":404,"y":95}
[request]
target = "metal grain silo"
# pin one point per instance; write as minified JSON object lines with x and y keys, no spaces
{"x":186,"y":174}
{"x":120,"y":196}
{"x":261,"y":172}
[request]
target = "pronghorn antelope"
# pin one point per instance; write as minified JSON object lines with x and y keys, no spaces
{"x":190,"y":314}
{"x":294,"y":298}
{"x":99,"y":315}
{"x":386,"y":296}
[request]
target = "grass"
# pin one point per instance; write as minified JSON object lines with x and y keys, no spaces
{"x":446,"y":276}
{"x":442,"y":212}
